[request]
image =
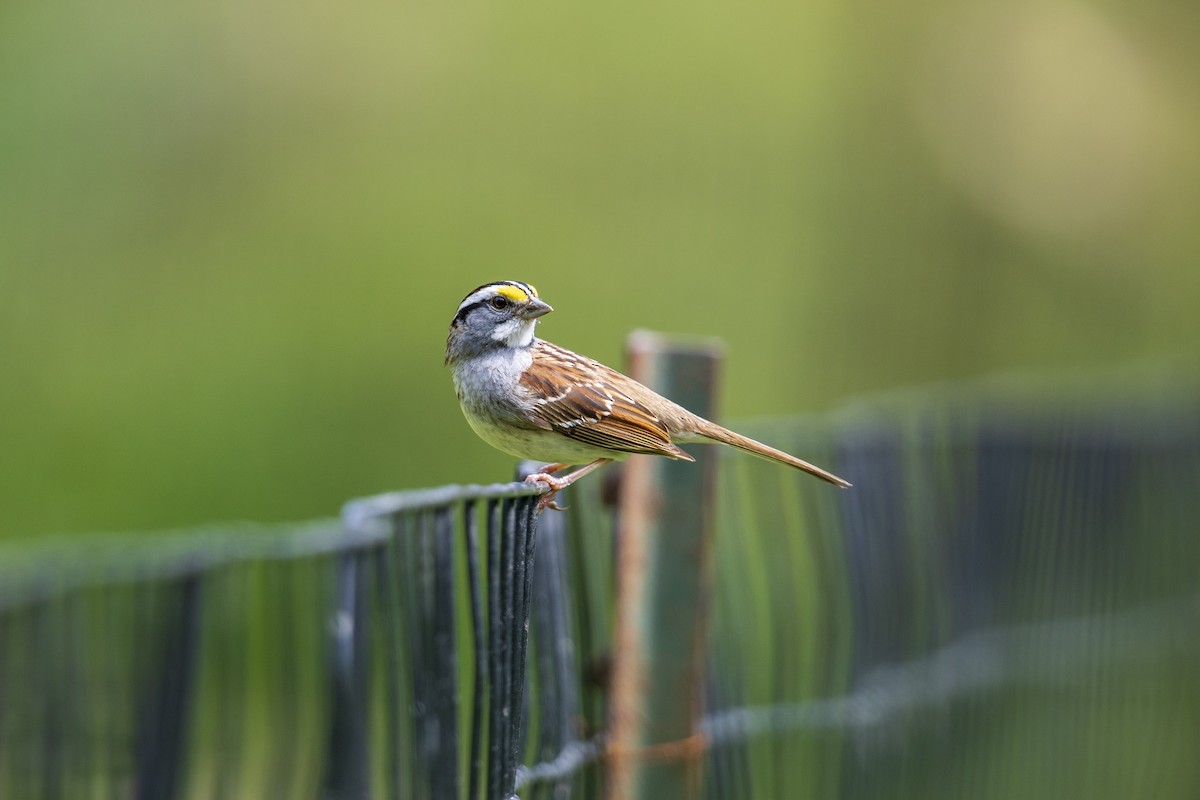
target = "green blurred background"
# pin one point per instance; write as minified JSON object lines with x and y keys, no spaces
{"x":232,"y":234}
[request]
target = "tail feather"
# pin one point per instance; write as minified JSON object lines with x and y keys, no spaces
{"x":710,"y":430}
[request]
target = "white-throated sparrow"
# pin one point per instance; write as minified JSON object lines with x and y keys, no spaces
{"x":541,"y":402}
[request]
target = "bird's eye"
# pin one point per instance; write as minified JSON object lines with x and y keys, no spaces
{"x":499,"y":303}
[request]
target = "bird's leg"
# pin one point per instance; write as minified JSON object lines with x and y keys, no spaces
{"x":584,"y":470}
{"x":558,"y":484}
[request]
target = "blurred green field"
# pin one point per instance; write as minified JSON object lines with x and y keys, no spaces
{"x":232,"y":234}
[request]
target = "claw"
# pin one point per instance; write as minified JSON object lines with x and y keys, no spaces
{"x":549,"y":502}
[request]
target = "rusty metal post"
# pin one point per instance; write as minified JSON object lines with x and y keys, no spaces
{"x":664,"y":582}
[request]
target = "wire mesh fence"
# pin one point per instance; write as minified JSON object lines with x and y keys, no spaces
{"x":1006,"y":605}
{"x":378,"y":656}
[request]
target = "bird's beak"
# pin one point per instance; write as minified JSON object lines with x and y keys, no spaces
{"x":535,"y":309}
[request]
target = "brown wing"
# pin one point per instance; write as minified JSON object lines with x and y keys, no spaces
{"x":582,"y":399}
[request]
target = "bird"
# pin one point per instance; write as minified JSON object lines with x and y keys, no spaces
{"x":541,"y":402}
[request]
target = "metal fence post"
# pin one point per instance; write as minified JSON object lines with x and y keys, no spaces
{"x":663,"y":588}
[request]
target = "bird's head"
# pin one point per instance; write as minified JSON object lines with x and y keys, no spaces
{"x":493,"y":316}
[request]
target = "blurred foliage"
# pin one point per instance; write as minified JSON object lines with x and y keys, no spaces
{"x":232,"y":234}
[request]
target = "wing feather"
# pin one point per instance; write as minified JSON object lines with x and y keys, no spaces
{"x":580,"y":399}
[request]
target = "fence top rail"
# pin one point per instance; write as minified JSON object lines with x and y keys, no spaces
{"x":358,"y":514}
{"x":32,"y":571}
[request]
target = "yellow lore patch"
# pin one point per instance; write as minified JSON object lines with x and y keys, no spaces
{"x":515,"y":293}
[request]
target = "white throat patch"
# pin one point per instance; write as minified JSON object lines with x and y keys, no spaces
{"x":515,"y":332}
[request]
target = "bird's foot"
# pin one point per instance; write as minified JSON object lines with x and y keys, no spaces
{"x":556,"y":485}
{"x":545,"y":478}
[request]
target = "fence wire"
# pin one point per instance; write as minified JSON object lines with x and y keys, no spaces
{"x":1005,"y":606}
{"x":321,"y":660}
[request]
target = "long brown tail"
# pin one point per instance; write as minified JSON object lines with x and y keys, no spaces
{"x":711,"y":430}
